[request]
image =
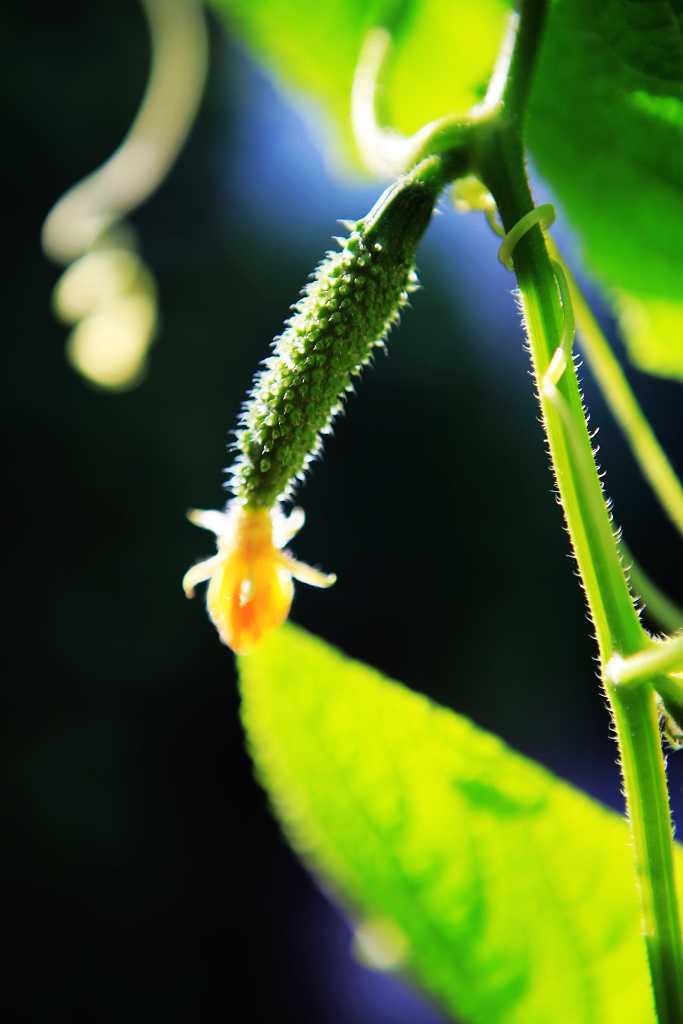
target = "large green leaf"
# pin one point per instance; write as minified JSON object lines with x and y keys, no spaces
{"x":653,"y":329}
{"x":605,"y":124}
{"x":314,"y":46}
{"x":606,"y":130}
{"x":511,"y":893}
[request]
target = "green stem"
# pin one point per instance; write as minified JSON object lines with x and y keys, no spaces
{"x":499,"y":160}
{"x":662,"y":657}
{"x":652,"y":459}
{"x":520,"y":72}
{"x":658,"y":606}
{"x":499,"y":157}
{"x":637,"y":726}
{"x":670,"y":688}
{"x":629,"y":686}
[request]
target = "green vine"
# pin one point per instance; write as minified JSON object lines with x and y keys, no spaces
{"x":330,"y":338}
{"x":629,"y":665}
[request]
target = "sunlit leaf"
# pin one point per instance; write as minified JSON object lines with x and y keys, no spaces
{"x":606,"y":130}
{"x":653,"y":330}
{"x":313,"y":48}
{"x":605,"y":123}
{"x":504,"y":892}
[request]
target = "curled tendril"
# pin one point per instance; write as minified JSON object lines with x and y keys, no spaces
{"x":107,"y":292}
{"x":543,"y":217}
{"x":384,"y":151}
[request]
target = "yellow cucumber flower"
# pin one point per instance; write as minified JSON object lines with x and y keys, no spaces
{"x":250,"y":578}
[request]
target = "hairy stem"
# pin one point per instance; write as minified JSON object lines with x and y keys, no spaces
{"x":637,"y":726}
{"x":618,"y":628}
{"x":651,"y":457}
{"x":522,"y":63}
{"x":617,"y":625}
{"x":499,"y":159}
{"x":495,"y":143}
{"x":662,"y":657}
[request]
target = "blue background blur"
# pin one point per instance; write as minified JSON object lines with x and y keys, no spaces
{"x":144,"y":873}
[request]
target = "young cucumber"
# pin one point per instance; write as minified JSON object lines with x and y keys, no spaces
{"x":345,"y":312}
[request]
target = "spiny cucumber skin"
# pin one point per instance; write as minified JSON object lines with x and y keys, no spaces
{"x":345,"y":312}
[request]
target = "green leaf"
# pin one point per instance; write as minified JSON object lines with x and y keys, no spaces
{"x":605,"y":123}
{"x":606,"y":131}
{"x":653,"y":330}
{"x":509,"y":895}
{"x":441,"y":61}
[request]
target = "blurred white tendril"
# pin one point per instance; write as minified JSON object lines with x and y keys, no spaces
{"x":385,"y":152}
{"x":381,"y":149}
{"x":107,"y":292}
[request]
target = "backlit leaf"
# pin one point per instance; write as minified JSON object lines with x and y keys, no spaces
{"x":606,"y":130}
{"x":504,"y":892}
{"x":605,"y":123}
{"x":313,"y":47}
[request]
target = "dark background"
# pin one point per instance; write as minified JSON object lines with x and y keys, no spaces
{"x":144,"y":874}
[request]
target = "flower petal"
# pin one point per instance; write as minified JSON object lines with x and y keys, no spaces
{"x":306,"y":573}
{"x":199,"y":573}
